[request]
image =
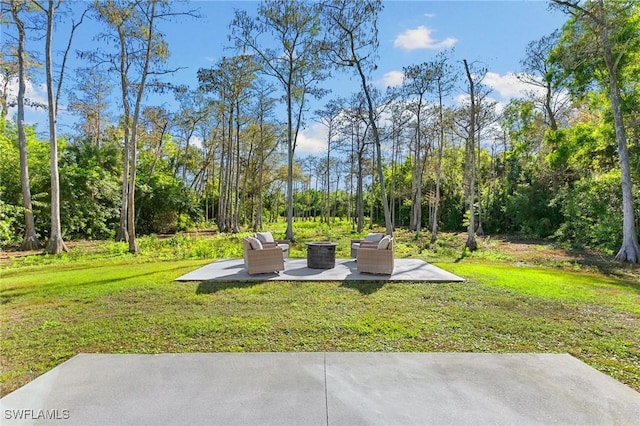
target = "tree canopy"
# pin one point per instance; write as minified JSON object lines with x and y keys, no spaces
{"x":562,"y":161}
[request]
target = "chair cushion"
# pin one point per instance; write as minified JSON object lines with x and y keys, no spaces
{"x":374,"y":237}
{"x":384,"y":243}
{"x":265,"y":237}
{"x":254,"y":243}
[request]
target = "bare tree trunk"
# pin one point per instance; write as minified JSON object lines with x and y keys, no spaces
{"x":56,"y":244}
{"x":436,"y":204}
{"x":131,"y":224}
{"x":123,"y":233}
{"x":290,"y":151}
{"x":394,"y":159}
{"x":471,"y":238}
{"x":360,"y":198}
{"x":630,"y":250}
{"x":376,"y":139}
{"x":359,"y":180}
{"x":257,"y":224}
{"x":479,"y":231}
{"x":185,"y":158}
{"x":417,"y":204}
{"x":236,"y":216}
{"x":229,"y":172}
{"x":221,"y":186}
{"x":327,"y":196}
{"x":30,"y":241}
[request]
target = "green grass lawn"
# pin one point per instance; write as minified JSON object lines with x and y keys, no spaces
{"x":110,"y":302}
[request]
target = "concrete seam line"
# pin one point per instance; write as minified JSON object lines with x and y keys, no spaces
{"x":326,"y":391}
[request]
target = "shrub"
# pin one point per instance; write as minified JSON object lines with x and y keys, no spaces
{"x":592,"y":210}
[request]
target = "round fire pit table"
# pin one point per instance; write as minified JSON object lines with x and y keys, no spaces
{"x":321,"y":255}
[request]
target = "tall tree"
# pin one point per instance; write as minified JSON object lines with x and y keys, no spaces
{"x":232,"y":79}
{"x":141,"y":53}
{"x":485,"y":117}
{"x":445,"y":77}
{"x":540,"y":72}
{"x":263,"y":110}
{"x":30,"y":241}
{"x":56,"y":244}
{"x":89,"y":100}
{"x":119,"y":16}
{"x":295,"y":63}
{"x":471,"y":243}
{"x":329,"y":117}
{"x":353,"y":42}
{"x":417,"y":82}
{"x":360,"y":141}
{"x":597,"y":31}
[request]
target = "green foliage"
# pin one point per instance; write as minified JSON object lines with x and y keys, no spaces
{"x":10,"y":218}
{"x":165,"y":204}
{"x":592,"y":210}
{"x":532,"y":181}
{"x":39,"y":176}
{"x":90,"y":191}
{"x":529,"y":212}
{"x":584,"y":148}
{"x":583,"y":64}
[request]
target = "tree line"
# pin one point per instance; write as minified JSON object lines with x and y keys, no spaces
{"x":559,"y":162}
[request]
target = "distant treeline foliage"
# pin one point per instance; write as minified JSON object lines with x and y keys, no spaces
{"x":550,"y":164}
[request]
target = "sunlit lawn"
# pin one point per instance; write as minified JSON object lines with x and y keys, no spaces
{"x":111,"y":302}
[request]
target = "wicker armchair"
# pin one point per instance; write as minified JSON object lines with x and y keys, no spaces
{"x":374,"y":260}
{"x":260,"y":261}
{"x":370,"y":240}
{"x":267,"y":240}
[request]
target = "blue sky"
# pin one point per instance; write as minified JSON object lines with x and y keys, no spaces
{"x":494,"y":33}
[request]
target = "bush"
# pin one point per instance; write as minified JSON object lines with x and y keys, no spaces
{"x":10,"y":222}
{"x":592,"y":210}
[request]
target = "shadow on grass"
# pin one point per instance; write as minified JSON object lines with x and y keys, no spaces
{"x":609,"y":266}
{"x":210,"y":287}
{"x":105,"y":281}
{"x":364,"y":287}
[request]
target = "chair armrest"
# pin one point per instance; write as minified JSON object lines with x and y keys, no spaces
{"x":369,"y":244}
{"x":283,"y":242}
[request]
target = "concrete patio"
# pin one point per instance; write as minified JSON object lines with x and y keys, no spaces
{"x":297,"y":270}
{"x":322,"y":389}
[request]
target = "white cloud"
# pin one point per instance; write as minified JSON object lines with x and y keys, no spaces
{"x":508,"y":86}
{"x":390,"y":79}
{"x":312,"y":140}
{"x":421,"y":38}
{"x":430,"y":15}
{"x":462,"y":99}
{"x":196,"y":141}
{"x":33,"y":94}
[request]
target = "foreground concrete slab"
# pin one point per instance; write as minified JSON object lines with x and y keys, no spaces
{"x":322,"y":388}
{"x":175,"y":389}
{"x":484,"y":389}
{"x":297,"y":270}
